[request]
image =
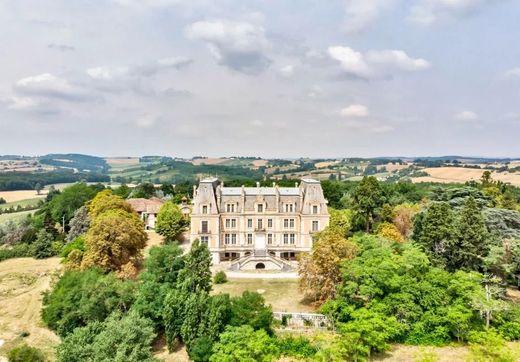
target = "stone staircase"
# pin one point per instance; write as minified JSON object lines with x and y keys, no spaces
{"x":261,"y":256}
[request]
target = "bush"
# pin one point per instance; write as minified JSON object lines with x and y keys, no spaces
{"x":76,"y":244}
{"x":81,"y":297}
{"x":17,"y":251}
{"x":488,"y":345}
{"x":25,"y":353}
{"x":200,"y":349}
{"x":2,"y":201}
{"x":250,"y":309}
{"x":220,"y":277}
{"x":297,"y":347}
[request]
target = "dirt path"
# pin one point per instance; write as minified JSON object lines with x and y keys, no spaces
{"x":22,"y":282}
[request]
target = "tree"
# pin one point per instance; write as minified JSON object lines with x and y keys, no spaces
{"x":69,"y":200}
{"x":79,"y":224}
{"x":115,"y":238}
{"x":389,"y":231}
{"x":434,"y":231}
{"x":340,"y":220}
{"x":196,"y":274}
{"x":471,"y":238}
{"x":82,"y":297}
{"x":118,"y":339}
{"x":144,"y":190}
{"x":244,"y":344}
{"x":320,"y":270}
{"x":250,"y":309}
{"x":38,"y":187}
{"x":403,"y":217}
{"x":367,"y":199}
{"x":170,"y":222}
{"x":42,"y":247}
{"x":123,"y":191}
{"x":25,"y":353}
{"x":106,"y":201}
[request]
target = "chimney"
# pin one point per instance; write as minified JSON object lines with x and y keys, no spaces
{"x":194,"y":191}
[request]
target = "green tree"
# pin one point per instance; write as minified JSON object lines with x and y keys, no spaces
{"x":471,"y":238}
{"x":106,"y":201}
{"x":123,"y":191}
{"x":434,"y":231}
{"x":340,"y":220}
{"x":144,"y":190}
{"x":81,"y":297}
{"x":69,"y":200}
{"x":118,"y":339}
{"x":244,"y":344}
{"x":42,"y":247}
{"x":170,"y":222}
{"x":367,"y":199}
{"x":250,"y":309}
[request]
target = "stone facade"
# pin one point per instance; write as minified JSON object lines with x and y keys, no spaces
{"x":269,"y":223}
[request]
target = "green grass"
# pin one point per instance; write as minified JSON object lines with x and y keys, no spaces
{"x":282,"y":294}
{"x":15,"y":216}
{"x":27,"y":202}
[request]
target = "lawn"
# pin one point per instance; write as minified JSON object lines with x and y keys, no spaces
{"x":282,"y":294}
{"x":26,"y":202}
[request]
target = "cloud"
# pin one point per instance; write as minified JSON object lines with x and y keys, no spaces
{"x":287,"y":71}
{"x":143,"y":70}
{"x":466,"y":116}
{"x":256,"y":123}
{"x":361,"y":13}
{"x":375,"y":63}
{"x":427,"y":12}
{"x":513,"y":73}
{"x":176,"y":93}
{"x":355,"y":110}
{"x":61,"y":47}
{"x":239,"y":46}
{"x":22,"y":103}
{"x":49,"y":86}
{"x":146,"y":121}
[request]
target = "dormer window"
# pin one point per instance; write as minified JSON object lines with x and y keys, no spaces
{"x":315,"y":209}
{"x":260,"y":208}
{"x":230,"y":207}
{"x":205,"y":209}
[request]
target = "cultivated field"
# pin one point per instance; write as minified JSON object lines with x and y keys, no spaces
{"x":461,"y":174}
{"x":13,"y":196}
{"x":123,"y":161}
{"x":208,"y":161}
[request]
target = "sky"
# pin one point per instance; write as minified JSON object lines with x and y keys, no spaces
{"x":272,"y":78}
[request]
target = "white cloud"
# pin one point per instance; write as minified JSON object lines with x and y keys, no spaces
{"x":143,"y":70}
{"x":236,"y":45}
{"x":146,"y":121}
{"x":287,"y":71}
{"x":376,"y":63}
{"x":427,"y":12}
{"x":360,"y":13}
{"x":50,"y":86}
{"x":466,"y":116}
{"x":513,"y":73}
{"x":22,"y":103}
{"x":355,"y":110}
{"x":257,"y":123}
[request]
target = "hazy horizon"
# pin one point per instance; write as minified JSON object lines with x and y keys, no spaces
{"x":352,"y":78}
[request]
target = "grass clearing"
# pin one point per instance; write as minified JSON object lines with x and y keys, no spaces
{"x":282,"y":294}
{"x":15,"y":216}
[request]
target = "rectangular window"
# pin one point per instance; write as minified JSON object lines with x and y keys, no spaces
{"x":230,"y":207}
{"x":269,"y":239}
{"x":269,"y":223}
{"x":260,"y":224}
{"x":315,"y":225}
{"x":228,"y":223}
{"x":291,"y":223}
{"x":204,"y":227}
{"x":291,"y":238}
{"x":260,"y":208}
{"x":205,"y":209}
{"x":286,"y":239}
{"x":285,"y":223}
{"x":249,"y":223}
{"x":227,"y":238}
{"x":233,"y":223}
{"x":204,"y":240}
{"x":250,"y":238}
{"x":233,"y":239}
{"x":314,"y":209}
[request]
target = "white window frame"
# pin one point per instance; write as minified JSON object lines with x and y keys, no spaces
{"x":315,"y":226}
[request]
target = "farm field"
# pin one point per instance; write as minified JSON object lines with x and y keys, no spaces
{"x":461,"y":174}
{"x":15,"y":216}
{"x":25,"y":202}
{"x":14,"y":196}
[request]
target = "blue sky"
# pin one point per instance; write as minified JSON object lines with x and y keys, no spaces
{"x":265,"y":78}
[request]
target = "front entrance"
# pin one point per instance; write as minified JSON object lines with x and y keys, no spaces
{"x":260,"y":242}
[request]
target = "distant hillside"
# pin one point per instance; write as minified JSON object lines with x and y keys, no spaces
{"x":75,"y":161}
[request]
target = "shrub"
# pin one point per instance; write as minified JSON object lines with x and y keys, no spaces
{"x":297,"y":347}
{"x":200,"y":349}
{"x":76,"y":244}
{"x":488,"y":345}
{"x":250,"y":309}
{"x":25,"y":353}
{"x":81,"y":297}
{"x":17,"y":251}
{"x":220,"y":277}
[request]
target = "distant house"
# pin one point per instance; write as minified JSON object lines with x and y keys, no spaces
{"x":147,"y":209}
